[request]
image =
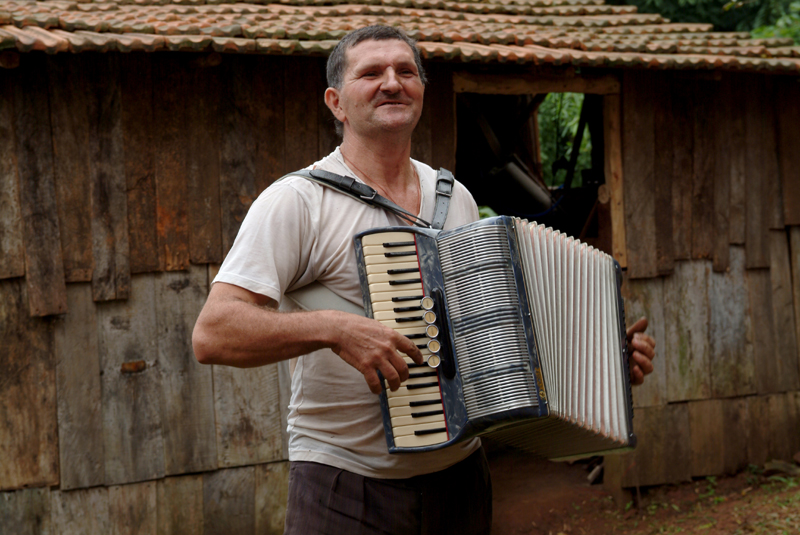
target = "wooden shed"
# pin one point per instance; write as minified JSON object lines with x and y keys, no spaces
{"x":134,"y":135}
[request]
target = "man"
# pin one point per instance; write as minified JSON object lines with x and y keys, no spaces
{"x":342,"y":478}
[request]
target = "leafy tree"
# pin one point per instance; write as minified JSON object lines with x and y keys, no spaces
{"x":559,"y":115}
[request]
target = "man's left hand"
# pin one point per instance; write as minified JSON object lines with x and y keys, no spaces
{"x":641,"y":351}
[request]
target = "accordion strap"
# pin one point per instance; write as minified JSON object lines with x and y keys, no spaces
{"x":363,"y":193}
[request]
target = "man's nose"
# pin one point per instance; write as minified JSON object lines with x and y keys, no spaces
{"x":391,"y":82}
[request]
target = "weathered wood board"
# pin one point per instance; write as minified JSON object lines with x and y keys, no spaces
{"x":645,"y":298}
{"x":78,"y":387}
{"x":328,"y":138}
{"x":44,"y":265}
{"x":765,"y":358}
{"x":111,"y":277}
{"x":170,"y":83}
{"x":638,"y":159}
{"x":730,"y":330}
{"x":272,"y":493}
{"x":783,"y":426}
{"x":723,"y":110}
{"x":442,"y":100}
{"x":770,"y":165}
{"x":304,"y":87}
{"x":794,"y":261}
{"x":421,"y":143}
{"x":69,"y":116}
{"x":180,"y":505}
{"x":703,"y":168}
{"x":787,"y":102}
{"x":138,"y":132}
{"x":80,"y":512}
{"x":686,"y":317}
{"x":683,"y":106}
{"x":285,"y":387}
{"x":248,"y":415}
{"x":612,"y":168}
{"x":661,"y":100}
{"x":705,"y":424}
{"x":29,"y":434}
{"x":736,"y":156}
{"x":202,"y":176}
{"x":12,"y":249}
{"x":757,"y":182}
{"x":26,"y":512}
{"x":735,"y":433}
{"x":758,"y":435}
{"x":133,"y":443}
{"x":132,"y":509}
{"x":229,"y":501}
{"x":783,"y":313}
{"x":187,"y":393}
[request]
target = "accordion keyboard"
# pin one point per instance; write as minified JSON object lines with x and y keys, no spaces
{"x":396,"y":290}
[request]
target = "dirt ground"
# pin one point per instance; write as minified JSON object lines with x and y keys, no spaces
{"x":534,"y":496}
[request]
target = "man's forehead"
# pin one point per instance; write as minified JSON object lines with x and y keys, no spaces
{"x":365,"y":50}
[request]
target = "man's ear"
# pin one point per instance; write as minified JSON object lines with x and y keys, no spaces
{"x":333,"y":103}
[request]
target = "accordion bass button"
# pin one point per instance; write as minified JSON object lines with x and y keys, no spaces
{"x":434,"y":346}
{"x":427,"y":303}
{"x":432,"y":331}
{"x":429,"y":317}
{"x":434,"y":361}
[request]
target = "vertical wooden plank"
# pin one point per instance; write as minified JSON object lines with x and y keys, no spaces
{"x":12,"y":249}
{"x":612,"y":141}
{"x":229,"y":501}
{"x":730,"y":331}
{"x":133,"y":444}
{"x":303,"y":85}
{"x":44,"y":265}
{"x":705,"y":424}
{"x":678,"y":460}
{"x":170,"y":85}
{"x":202,"y":128}
{"x":251,"y":136}
{"x":757,"y":185}
{"x":638,"y":157}
{"x":443,"y":129}
{"x":80,"y":417}
{"x":767,"y":365}
{"x":272,"y":493}
{"x":29,"y":434}
{"x":686,"y":314}
{"x":80,"y":512}
{"x":781,"y":410}
{"x":682,"y":166}
{"x":794,"y":261}
{"x":132,"y":509}
{"x":735,"y":434}
{"x":137,"y":132}
{"x":248,"y":415}
{"x":69,"y":107}
{"x":706,"y":92}
{"x":26,"y":512}
{"x":783,"y":313}
{"x":771,"y":167}
{"x":723,"y":110}
{"x":180,"y":505}
{"x":737,"y":158}
{"x":787,"y":106}
{"x":421,"y":144}
{"x":646,"y":298}
{"x":758,"y":434}
{"x":661,"y":101}
{"x":328,"y":138}
{"x":187,"y":398}
{"x":285,"y":396}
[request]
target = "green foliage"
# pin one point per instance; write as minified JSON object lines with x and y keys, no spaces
{"x":486,"y":211}
{"x":786,"y":25}
{"x":559,"y":115}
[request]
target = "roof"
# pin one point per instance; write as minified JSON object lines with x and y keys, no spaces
{"x":581,"y":33}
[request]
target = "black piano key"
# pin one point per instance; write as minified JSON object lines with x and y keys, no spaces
{"x":423,"y":374}
{"x":406,"y":298}
{"x":400,"y":253}
{"x":422,"y":346}
{"x":415,"y":336}
{"x":430,"y":431}
{"x":415,"y":365}
{"x":423,"y":403}
{"x":400,"y":271}
{"x":406,"y":309}
{"x":426,"y":413}
{"x":399,"y":244}
{"x":400,"y":282}
{"x":422,"y":385}
{"x":408,"y":319}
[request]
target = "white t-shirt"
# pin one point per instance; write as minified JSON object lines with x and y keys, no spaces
{"x":298,"y":232}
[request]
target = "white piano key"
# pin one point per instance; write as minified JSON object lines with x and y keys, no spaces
{"x":407,"y":410}
{"x":386,"y":287}
{"x":414,"y":441}
{"x":409,"y":429}
{"x":405,"y":392}
{"x":394,"y":325}
{"x":394,"y":277}
{"x":379,"y":238}
{"x":405,"y":401}
{"x":387,"y":296}
{"x":383,"y":268}
{"x":382,"y":259}
{"x":401,"y":421}
{"x":390,"y":314}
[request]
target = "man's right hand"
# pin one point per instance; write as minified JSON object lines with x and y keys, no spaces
{"x":369,"y":347}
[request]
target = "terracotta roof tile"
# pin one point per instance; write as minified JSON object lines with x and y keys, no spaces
{"x":558,"y":32}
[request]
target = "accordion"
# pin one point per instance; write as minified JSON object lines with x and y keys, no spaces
{"x":522,"y":330}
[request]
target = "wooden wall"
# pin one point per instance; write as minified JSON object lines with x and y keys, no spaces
{"x":123,"y":181}
{"x":712,"y":204}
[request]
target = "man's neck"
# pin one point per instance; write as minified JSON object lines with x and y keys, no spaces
{"x":386,"y":164}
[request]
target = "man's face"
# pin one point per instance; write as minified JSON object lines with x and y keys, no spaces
{"x":381,"y":91}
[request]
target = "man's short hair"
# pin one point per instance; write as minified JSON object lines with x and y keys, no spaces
{"x":337,"y":61}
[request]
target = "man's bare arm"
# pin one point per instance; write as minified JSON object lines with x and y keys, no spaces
{"x":243,"y":329}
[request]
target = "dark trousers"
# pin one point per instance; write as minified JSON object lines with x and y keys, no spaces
{"x":329,"y":501}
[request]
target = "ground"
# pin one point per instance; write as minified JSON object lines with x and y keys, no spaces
{"x":534,"y":496}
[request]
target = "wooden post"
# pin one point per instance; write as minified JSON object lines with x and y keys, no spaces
{"x":12,"y":251}
{"x":613,"y":173}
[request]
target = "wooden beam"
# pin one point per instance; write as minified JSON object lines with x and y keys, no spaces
{"x":612,"y":138}
{"x":530,"y":84}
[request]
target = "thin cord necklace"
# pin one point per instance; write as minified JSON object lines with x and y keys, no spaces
{"x":383,"y":191}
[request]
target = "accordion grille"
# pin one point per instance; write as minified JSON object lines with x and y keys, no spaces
{"x":484,"y":308}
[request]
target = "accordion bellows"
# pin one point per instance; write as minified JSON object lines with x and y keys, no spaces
{"x":522,"y":329}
